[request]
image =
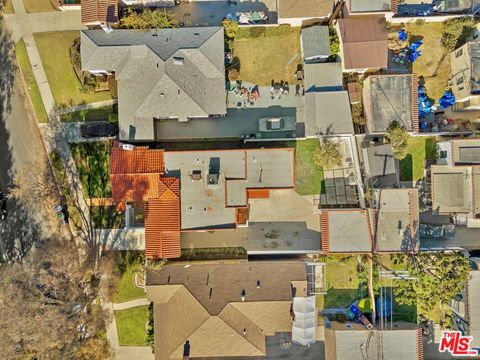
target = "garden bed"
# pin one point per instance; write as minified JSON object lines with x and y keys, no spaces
{"x":223,"y":253}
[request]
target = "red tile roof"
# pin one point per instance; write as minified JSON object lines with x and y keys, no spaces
{"x":162,"y":221}
{"x":140,"y":160}
{"x":136,"y":187}
{"x":99,"y":11}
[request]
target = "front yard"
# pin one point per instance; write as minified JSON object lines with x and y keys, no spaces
{"x":420,"y":149}
{"x":93,"y":163}
{"x":129,"y":263}
{"x":308,"y":176}
{"x":54,"y":49}
{"x":131,"y":326}
{"x":104,"y":113}
{"x":268,"y":53}
{"x":30,"y":82}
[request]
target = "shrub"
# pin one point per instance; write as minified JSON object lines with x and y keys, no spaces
{"x":231,"y":28}
{"x":327,"y":155}
{"x":334,"y":41}
{"x":419,"y":22}
{"x":398,"y":137}
{"x":233,"y":74}
{"x":455,"y":32}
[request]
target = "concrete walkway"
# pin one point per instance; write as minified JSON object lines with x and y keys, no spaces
{"x":130,"y":304}
{"x":125,"y":352}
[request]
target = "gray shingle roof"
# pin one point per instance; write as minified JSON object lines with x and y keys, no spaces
{"x":327,"y":113}
{"x":323,"y":76}
{"x":315,"y":41}
{"x":166,"y":73}
{"x":370,"y":5}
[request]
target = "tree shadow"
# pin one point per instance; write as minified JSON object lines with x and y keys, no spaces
{"x":406,"y":168}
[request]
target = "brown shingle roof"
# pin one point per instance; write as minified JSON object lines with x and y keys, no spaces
{"x":364,"y":41}
{"x":304,"y":9}
{"x":227,"y":281}
{"x":99,"y":11}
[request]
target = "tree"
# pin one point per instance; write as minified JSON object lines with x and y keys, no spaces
{"x":231,"y":28}
{"x":49,"y":305}
{"x":455,"y":32}
{"x":399,"y":138}
{"x":148,"y":19}
{"x":334,"y":41}
{"x":440,"y":276}
{"x":327,"y":155}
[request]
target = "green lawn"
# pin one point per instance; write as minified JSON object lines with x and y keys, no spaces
{"x":30,"y":82}
{"x":342,"y":282}
{"x":54,"y":48}
{"x":65,"y":189}
{"x":129,"y":263}
{"x":412,"y":168}
{"x":93,"y":163}
{"x":131,"y":324}
{"x":308,"y":176}
{"x":38,"y":6}
{"x":98,"y":114}
{"x":273,"y":54}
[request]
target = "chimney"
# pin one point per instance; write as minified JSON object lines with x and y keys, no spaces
{"x":258,"y":284}
{"x":243,"y":295}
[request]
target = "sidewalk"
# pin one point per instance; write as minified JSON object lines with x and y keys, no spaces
{"x":125,"y":352}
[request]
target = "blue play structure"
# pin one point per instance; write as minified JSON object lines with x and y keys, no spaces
{"x":448,"y":99}
{"x":425,"y":106}
{"x":414,"y":52}
{"x":402,"y":35}
{"x":383,"y":307}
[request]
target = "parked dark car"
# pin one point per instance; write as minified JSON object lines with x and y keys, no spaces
{"x":3,"y":206}
{"x":98,"y":129}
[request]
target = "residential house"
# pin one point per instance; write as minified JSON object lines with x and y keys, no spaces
{"x":459,"y":152}
{"x":367,"y":7}
{"x":327,"y":107}
{"x":161,"y":74}
{"x":99,"y":12}
{"x":347,"y":231}
{"x":224,"y":310}
{"x":389,"y":98}
{"x":456,"y":192}
{"x":397,"y":221}
{"x":466,"y":306}
{"x":380,"y":167}
{"x":315,"y":44}
{"x":195,"y":190}
{"x":465,"y":74}
{"x":363,"y":43}
{"x":298,"y":13}
{"x":352,"y":341}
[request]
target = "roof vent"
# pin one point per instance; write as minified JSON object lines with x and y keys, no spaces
{"x":178,"y":60}
{"x":196,"y":34}
{"x":244,"y":331}
{"x":210,"y":294}
{"x":243,"y":294}
{"x":258,"y":284}
{"x":196,"y":175}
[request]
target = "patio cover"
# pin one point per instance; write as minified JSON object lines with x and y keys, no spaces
{"x":304,"y":325}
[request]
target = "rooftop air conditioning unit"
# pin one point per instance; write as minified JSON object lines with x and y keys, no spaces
{"x":128,"y":147}
{"x":196,"y":175}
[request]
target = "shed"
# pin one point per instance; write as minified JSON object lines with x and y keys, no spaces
{"x":315,"y":43}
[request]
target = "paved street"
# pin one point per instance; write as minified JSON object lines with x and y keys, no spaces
{"x":20,"y":145}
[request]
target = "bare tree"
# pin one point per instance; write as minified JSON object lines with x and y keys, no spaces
{"x":49,"y":305}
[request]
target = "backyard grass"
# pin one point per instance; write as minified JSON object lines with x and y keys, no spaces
{"x":8,"y":7}
{"x":420,"y":149}
{"x":342,"y":281}
{"x":32,"y":6}
{"x":308,"y":176}
{"x":93,"y":163}
{"x":54,"y":49}
{"x":273,"y":55}
{"x":31,"y":83}
{"x":109,"y":113}
{"x":126,"y":289}
{"x":65,"y":189}
{"x":434,"y":63}
{"x":131,"y":326}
